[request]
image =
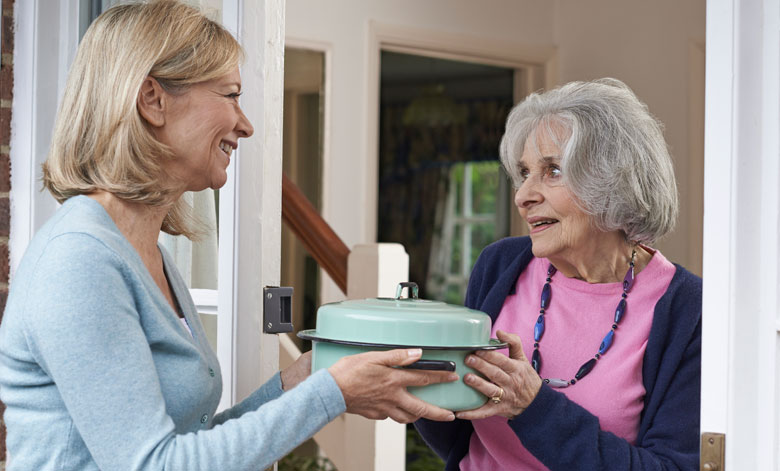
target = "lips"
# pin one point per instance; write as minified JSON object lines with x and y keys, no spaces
{"x":540,"y":223}
{"x":226,"y":147}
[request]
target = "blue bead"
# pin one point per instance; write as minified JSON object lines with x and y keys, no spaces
{"x":620,"y":310}
{"x":628,"y":281}
{"x":536,"y":361}
{"x":551,"y":270}
{"x":539,"y":329}
{"x":585,"y":369}
{"x":607,"y":342}
{"x":546,"y":295}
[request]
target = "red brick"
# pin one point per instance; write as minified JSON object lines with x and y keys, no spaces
{"x":6,"y":81}
{"x":5,"y":173}
{"x":7,"y":46}
{"x":5,"y":126}
{"x":4,"y":262}
{"x":8,"y":4}
{"x":5,"y":217}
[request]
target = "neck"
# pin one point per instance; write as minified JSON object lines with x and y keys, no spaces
{"x":603,"y":261}
{"x":139,"y":223}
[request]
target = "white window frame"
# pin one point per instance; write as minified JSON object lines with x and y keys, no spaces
{"x":46,"y":39}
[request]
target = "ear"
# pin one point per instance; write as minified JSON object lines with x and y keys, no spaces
{"x":152,"y":102}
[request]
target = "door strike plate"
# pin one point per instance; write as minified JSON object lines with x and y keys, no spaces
{"x":277,"y":309}
{"x":713,"y":451}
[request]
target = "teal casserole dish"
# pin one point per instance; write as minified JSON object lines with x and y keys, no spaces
{"x":445,"y":332}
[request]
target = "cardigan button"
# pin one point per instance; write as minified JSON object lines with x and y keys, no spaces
{"x":204,"y":419}
{"x":211,"y":372}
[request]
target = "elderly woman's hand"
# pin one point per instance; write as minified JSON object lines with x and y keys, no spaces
{"x":513,"y":375}
{"x":373,"y":388}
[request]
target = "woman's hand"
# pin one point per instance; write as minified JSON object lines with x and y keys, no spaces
{"x":373,"y":388}
{"x":514,"y":375}
{"x":297,"y":372}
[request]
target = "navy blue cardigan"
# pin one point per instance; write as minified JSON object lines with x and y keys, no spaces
{"x":565,"y":436}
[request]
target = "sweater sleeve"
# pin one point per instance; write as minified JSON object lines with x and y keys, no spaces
{"x":84,"y":331}
{"x":564,"y":436}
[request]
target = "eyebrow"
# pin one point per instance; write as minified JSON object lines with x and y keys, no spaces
{"x":546,"y":159}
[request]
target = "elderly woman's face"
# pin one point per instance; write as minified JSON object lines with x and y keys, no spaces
{"x":202,"y":127}
{"x":557,"y":225}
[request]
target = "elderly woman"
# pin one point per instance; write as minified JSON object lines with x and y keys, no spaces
{"x":104,"y":363}
{"x":611,"y":327}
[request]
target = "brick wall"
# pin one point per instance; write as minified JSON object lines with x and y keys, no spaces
{"x":6,"y":97}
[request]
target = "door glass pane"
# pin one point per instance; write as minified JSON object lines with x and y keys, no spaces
{"x":303,"y":125}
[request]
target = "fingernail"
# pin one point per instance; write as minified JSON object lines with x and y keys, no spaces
{"x":451,"y":417}
{"x":470,"y":360}
{"x":469,"y":378}
{"x":414,"y":352}
{"x":452,"y":377}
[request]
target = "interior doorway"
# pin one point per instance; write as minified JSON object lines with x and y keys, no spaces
{"x":442,"y":191}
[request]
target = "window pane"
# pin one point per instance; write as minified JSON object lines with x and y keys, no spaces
{"x":484,"y":184}
{"x":481,"y":235}
{"x":456,"y":250}
{"x":452,"y":295}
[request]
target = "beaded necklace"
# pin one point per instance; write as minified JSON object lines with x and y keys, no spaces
{"x":536,"y":358}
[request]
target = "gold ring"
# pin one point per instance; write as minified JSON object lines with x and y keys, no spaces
{"x":497,"y":398}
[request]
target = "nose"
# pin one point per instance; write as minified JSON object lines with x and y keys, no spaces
{"x":243,"y":126}
{"x":528,"y":194}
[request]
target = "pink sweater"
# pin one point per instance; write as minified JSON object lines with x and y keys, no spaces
{"x":579,"y":316}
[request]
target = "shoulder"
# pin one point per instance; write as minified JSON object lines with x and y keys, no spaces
{"x":683,"y":296}
{"x":505,"y":251}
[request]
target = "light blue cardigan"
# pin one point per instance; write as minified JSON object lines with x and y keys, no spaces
{"x":97,"y":372}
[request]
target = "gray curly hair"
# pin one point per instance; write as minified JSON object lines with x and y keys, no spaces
{"x":614,"y":159}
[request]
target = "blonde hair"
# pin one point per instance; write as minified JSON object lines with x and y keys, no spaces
{"x":101,"y":141}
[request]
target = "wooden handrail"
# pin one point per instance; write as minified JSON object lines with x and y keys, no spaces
{"x":316,"y":235}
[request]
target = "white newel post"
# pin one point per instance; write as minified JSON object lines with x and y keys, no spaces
{"x":352,"y":442}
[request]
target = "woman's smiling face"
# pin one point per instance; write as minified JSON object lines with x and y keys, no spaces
{"x":559,"y":228}
{"x":202,"y":128}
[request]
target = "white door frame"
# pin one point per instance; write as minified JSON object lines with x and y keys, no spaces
{"x":741,"y":261}
{"x":539,"y":62}
{"x":250,"y":205}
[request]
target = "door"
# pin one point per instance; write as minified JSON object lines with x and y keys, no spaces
{"x":740,"y":345}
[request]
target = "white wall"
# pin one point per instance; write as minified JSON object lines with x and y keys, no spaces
{"x":654,"y":47}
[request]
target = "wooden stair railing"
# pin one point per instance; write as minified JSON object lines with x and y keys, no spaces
{"x":316,"y":235}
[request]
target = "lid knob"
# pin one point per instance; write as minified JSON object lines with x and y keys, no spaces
{"x":413,"y":290}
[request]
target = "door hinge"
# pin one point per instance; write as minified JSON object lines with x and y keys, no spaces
{"x":713,"y":451}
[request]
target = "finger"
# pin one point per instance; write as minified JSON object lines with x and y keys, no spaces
{"x":401,"y":416}
{"x":423,"y":377}
{"x":493,"y":372}
{"x":515,"y":344}
{"x":397,"y":357}
{"x":501,"y":361}
{"x":480,"y":384}
{"x":488,"y":410}
{"x":420,"y":408}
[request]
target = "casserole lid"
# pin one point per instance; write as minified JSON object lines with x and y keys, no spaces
{"x":403,"y":322}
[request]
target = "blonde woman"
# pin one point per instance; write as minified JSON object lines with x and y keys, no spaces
{"x":103,"y":361}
